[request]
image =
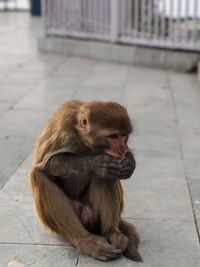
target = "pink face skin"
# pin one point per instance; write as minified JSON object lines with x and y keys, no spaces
{"x":117,"y":146}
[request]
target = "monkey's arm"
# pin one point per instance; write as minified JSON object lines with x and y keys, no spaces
{"x":101,"y":166}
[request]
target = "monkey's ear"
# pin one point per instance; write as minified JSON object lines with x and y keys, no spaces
{"x":84,"y":124}
{"x":83,"y":120}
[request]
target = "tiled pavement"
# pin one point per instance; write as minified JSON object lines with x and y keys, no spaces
{"x":163,"y":196}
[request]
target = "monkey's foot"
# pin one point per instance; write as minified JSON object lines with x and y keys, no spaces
{"x":133,"y":254}
{"x":118,"y":240}
{"x":99,"y":248}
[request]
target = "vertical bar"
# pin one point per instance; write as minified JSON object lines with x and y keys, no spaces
{"x":101,"y":25}
{"x":78,"y":16}
{"x":107,"y":13}
{"x":89,"y":15}
{"x":186,"y":21}
{"x":171,"y":19}
{"x":163,"y":20}
{"x":99,"y":7}
{"x":156,"y":20}
{"x":136,"y":16}
{"x":150,"y":9}
{"x":93,"y":20}
{"x":129,"y":12}
{"x":125,"y":18}
{"x":85,"y":15}
{"x":61,"y":21}
{"x":56,"y":14}
{"x":114,"y":20}
{"x":97,"y":15}
{"x":101,"y":22}
{"x":143,"y":18}
{"x":51,"y":13}
{"x":47,"y":7}
{"x":65,"y":17}
{"x":178,"y":29}
{"x":73,"y":11}
{"x":194,"y":35}
{"x":44,"y":8}
{"x":71,"y":15}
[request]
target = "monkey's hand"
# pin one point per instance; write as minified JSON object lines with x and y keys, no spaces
{"x":106,"y":167}
{"x":128,"y":165}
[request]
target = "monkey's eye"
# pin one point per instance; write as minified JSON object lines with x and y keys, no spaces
{"x":113,"y":136}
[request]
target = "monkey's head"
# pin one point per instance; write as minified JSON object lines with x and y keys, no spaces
{"x":104,"y":127}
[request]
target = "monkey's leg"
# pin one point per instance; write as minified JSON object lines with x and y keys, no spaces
{"x":86,"y":215}
{"x":57,"y":212}
{"x":106,"y":199}
{"x":133,"y":240}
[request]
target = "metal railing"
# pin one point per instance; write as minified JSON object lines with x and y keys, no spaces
{"x":7,"y":5}
{"x":158,"y":23}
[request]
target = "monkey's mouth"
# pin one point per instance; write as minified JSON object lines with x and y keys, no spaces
{"x":115,"y":154}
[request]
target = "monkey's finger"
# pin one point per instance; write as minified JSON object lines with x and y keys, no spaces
{"x":126,"y":176}
{"x":127,"y":169}
{"x":110,"y":165}
{"x":115,"y":167}
{"x":127,"y":159}
{"x":108,"y":257}
{"x":116,"y":172}
{"x":112,"y":252}
{"x":108,"y":248}
{"x":109,"y":171}
{"x":113,"y":175}
{"x":111,"y":159}
{"x":129,"y":165}
{"x":112,"y":257}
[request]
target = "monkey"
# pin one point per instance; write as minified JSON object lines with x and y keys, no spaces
{"x":79,"y":159}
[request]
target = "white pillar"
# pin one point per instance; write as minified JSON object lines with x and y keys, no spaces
{"x":114,"y":21}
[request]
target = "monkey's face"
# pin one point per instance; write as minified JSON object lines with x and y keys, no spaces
{"x":109,"y":141}
{"x":116,"y":145}
{"x":104,"y":127}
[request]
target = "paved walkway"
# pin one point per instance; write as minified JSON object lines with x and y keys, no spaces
{"x":163,"y":196}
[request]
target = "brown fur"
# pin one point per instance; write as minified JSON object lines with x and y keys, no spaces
{"x":63,"y":134}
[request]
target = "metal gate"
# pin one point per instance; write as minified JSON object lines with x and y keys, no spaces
{"x":171,"y":24}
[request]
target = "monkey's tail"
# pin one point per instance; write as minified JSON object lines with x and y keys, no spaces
{"x":132,"y":249}
{"x":54,"y":208}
